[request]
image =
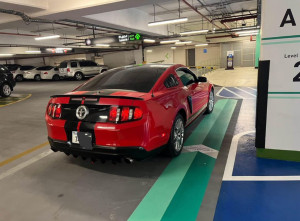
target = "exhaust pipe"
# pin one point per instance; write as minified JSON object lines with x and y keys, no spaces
{"x":128,"y":160}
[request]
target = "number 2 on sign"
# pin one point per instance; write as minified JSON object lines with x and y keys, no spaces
{"x":297,"y":77}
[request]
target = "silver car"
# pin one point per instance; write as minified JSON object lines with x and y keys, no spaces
{"x":31,"y":73}
{"x":79,"y":69}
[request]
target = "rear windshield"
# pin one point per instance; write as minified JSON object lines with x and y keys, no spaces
{"x":12,"y":68}
{"x":44,"y":68}
{"x":26,"y":68}
{"x":63,"y":64}
{"x":3,"y":70}
{"x":140,"y":79}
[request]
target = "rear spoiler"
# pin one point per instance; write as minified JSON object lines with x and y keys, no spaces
{"x":96,"y":96}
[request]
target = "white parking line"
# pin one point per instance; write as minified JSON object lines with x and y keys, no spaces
{"x":203,"y":149}
{"x":245,"y":91}
{"x":252,"y":88}
{"x":24,"y":164}
{"x":234,"y":93}
{"x":231,"y":160}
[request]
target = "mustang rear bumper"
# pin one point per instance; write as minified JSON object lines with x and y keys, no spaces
{"x":101,"y":152}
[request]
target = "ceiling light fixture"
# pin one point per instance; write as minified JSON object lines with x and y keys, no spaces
{"x":149,"y":51}
{"x":47,"y":37}
{"x":149,"y":40}
{"x":68,"y":49}
{"x":247,"y":32}
{"x":6,"y":55}
{"x":33,"y":52}
{"x":183,"y":42}
{"x":103,"y":45}
{"x":166,"y":22}
{"x":201,"y":45}
{"x":193,"y":32}
{"x":169,"y":41}
{"x":173,"y":48}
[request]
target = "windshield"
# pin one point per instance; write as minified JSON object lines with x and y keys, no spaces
{"x":138,"y":78}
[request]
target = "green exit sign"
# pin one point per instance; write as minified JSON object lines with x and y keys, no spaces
{"x":134,"y":37}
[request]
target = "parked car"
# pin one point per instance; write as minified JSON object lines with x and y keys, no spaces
{"x":128,"y":112}
{"x":15,"y":70}
{"x":49,"y":73}
{"x":7,"y":82}
{"x":31,"y":73}
{"x":79,"y":69}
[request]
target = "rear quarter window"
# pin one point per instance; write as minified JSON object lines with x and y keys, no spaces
{"x":26,"y":68}
{"x":63,"y":65}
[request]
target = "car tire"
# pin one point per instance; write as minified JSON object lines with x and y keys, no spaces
{"x":37,"y":77}
{"x":211,"y":102}
{"x":175,"y":143}
{"x":55,"y":78}
{"x":78,"y":76}
{"x":19,"y":78}
{"x":5,"y":90}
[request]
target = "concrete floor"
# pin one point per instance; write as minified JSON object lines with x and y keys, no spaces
{"x":239,"y":77}
{"x":43,"y":185}
{"x":51,"y":186}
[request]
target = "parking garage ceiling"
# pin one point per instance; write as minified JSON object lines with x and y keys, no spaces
{"x":76,"y":21}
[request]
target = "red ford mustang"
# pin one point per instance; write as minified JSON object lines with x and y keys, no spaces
{"x":128,"y":112}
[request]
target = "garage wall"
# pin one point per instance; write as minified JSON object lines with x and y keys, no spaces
{"x":31,"y":61}
{"x":162,"y":55}
{"x":210,"y":58}
{"x":244,"y":53}
{"x":54,"y":61}
{"x":118,"y":59}
{"x":179,"y":56}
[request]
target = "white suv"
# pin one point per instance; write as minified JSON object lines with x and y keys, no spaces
{"x":79,"y":69}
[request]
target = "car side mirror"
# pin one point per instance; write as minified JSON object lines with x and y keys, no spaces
{"x":202,"y":79}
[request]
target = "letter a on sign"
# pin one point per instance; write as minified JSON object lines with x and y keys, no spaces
{"x":291,"y":17}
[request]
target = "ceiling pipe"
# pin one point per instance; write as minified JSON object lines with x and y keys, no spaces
{"x":233,"y":19}
{"x":205,"y":17}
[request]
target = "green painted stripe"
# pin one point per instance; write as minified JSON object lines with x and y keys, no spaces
{"x":287,"y":155}
{"x":186,"y":203}
{"x":280,"y":42}
{"x":216,"y":134}
{"x":201,"y":131}
{"x":281,"y":37}
{"x":284,"y":97}
{"x":283,"y":92}
{"x":157,"y":200}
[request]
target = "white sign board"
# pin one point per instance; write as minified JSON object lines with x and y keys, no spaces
{"x":281,"y":45}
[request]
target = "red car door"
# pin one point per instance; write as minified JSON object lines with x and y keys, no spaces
{"x":195,"y":94}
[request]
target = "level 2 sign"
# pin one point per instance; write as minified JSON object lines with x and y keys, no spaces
{"x":281,"y":45}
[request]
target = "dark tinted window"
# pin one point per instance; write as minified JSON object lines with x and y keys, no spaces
{"x":83,"y":63}
{"x":186,"y":76}
{"x":55,"y":69}
{"x":140,"y":79}
{"x":74,"y":64}
{"x":12,"y":67}
{"x":63,"y":64}
{"x":93,"y":64}
{"x":26,"y":68}
{"x":171,"y":81}
{"x":44,"y":68}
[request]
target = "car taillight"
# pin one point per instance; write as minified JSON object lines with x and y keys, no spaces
{"x":54,"y":110}
{"x":68,"y":70}
{"x":45,"y":72}
{"x":124,"y":114}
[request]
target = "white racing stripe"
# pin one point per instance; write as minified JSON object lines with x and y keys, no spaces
{"x":24,"y":164}
{"x":231,"y":160}
{"x":245,"y":91}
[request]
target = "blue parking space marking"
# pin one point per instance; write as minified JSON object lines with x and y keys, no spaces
{"x":247,"y":164}
{"x":237,"y":92}
{"x":258,"y":201}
